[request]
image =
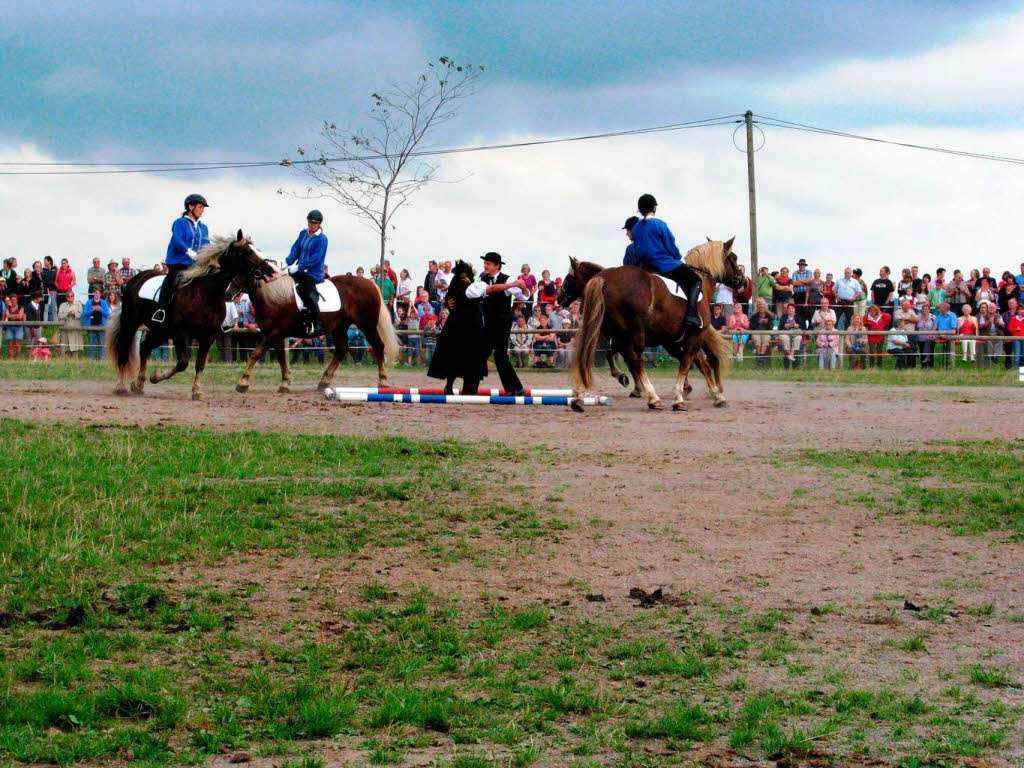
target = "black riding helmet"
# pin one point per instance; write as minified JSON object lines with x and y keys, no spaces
{"x":195,"y":200}
{"x":646,"y":204}
{"x":316,"y":216}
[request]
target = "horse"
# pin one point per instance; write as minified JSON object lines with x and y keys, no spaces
{"x":278,"y":315}
{"x":196,"y":312}
{"x":634,"y":309}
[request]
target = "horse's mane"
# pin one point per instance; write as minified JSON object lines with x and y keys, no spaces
{"x":208,"y":259}
{"x":709,"y":256}
{"x":463,"y":268}
{"x":588,"y":267}
{"x":276,"y":291}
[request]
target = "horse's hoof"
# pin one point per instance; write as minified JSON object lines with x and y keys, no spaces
{"x":721,"y":404}
{"x":321,"y":386}
{"x":576,"y":405}
{"x":136,"y":388}
{"x":197,"y":395}
{"x":243,"y":388}
{"x":657,"y":406}
{"x":687,"y":389}
{"x":678,"y":406}
{"x":284,"y":389}
{"x":636,"y":394}
{"x":121,"y":389}
{"x":624,"y":380}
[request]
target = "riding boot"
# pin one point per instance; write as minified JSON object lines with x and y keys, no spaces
{"x":693,"y":304}
{"x":314,"y":327}
{"x":166,"y":294}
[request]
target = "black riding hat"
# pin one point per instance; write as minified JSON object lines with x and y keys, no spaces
{"x":494,"y":258}
{"x":630,"y":222}
{"x":316,"y":216}
{"x":195,"y":200}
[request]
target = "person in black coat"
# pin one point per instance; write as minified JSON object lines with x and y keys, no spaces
{"x":497,"y":291}
{"x":461,"y":351}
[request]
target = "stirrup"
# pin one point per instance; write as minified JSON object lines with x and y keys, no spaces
{"x":159,"y":316}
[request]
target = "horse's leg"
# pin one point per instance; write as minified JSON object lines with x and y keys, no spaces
{"x":145,"y":350}
{"x":621,"y":348}
{"x":261,"y":349}
{"x":635,"y":361}
{"x":710,"y":376}
{"x":684,"y":354}
{"x":618,"y":375}
{"x":281,"y":347}
{"x":181,"y":353}
{"x":202,"y":355}
{"x":377,"y":348}
{"x":340,"y":350}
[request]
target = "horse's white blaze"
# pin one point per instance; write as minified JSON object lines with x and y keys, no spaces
{"x":259,"y":254}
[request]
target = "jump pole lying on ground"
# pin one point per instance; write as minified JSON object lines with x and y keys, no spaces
{"x":440,"y":391}
{"x":374,"y":397}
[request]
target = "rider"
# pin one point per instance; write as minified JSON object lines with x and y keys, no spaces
{"x":629,"y":258}
{"x":188,"y":236}
{"x":306,"y":266}
{"x":656,"y":251}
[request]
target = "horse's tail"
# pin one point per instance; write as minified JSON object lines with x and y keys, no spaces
{"x":120,"y":338}
{"x":590,"y":333}
{"x":718,"y":346}
{"x":386,"y":331}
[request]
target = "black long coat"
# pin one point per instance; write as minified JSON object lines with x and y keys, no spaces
{"x":461,"y":351}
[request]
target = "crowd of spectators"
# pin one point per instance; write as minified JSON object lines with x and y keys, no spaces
{"x":844,"y":322}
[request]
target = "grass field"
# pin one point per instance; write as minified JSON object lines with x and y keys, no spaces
{"x":121,"y":638}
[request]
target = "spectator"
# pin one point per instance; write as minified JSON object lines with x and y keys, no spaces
{"x":860,"y":306}
{"x":41,"y":351}
{"x":35,"y":312}
{"x":34,"y":286}
{"x":390,"y":273}
{"x":828,"y":289}
{"x":1016,"y":330}
{"x":718,"y":320}
{"x":882,"y":289}
{"x":876,"y":320}
{"x":64,"y":282}
{"x":50,"y":288}
{"x":1008,"y":289}
{"x":761,"y":325}
{"x":724,"y":296}
{"x":814,"y":295}
{"x":402,"y":324}
{"x":985,"y":292}
{"x":114,"y":302}
{"x":1007,"y":316}
{"x":905,"y":319}
{"x":94,"y":316}
{"x":899,"y":346}
{"x":15,"y":334}
{"x":945,"y":323}
{"x":521,"y":343}
{"x":112,"y":281}
{"x":3,"y":296}
{"x":95,"y":276}
{"x":565,"y":338}
{"x":356,"y":343}
{"x":790,"y":342}
{"x":925,"y":338}
{"x":405,"y":288}
{"x":847,"y":291}
{"x":822,"y":315}
{"x":958,"y":294}
{"x":424,"y":306}
{"x":967,"y":325}
{"x":782,"y":293}
{"x":387,"y":290}
{"x":906,"y":281}
{"x":1019,"y":279}
{"x":546,"y":291}
{"x":443,"y":280}
{"x":127,"y":270}
{"x":428,"y":324}
{"x":413,"y":340}
{"x":801,"y":279}
{"x":921,"y":295}
{"x":764,"y":286}
{"x":442,"y":318}
{"x":10,"y":272}
{"x":748,"y":289}
{"x":857,"y":343}
{"x":990,"y":324}
{"x":360,"y":272}
{"x":70,"y":317}
{"x":534,"y":322}
{"x":937,"y":291}
{"x":828,"y":346}
{"x":738,"y":323}
{"x":531,"y":287}
{"x":544,"y":345}
{"x":429,"y":287}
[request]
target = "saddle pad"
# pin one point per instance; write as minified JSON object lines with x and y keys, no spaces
{"x":329,"y":301}
{"x":151,"y":288}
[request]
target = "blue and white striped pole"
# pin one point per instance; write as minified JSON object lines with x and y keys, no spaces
{"x":374,"y":397}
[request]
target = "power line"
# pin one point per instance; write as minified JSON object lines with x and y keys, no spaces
{"x":167,"y":167}
{"x":780,"y":123}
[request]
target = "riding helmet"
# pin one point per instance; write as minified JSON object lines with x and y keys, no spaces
{"x":195,"y":200}
{"x":316,"y":216}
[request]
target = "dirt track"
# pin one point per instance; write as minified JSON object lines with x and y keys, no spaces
{"x":695,"y":502}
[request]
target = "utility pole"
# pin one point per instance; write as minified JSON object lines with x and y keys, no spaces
{"x":750,"y":193}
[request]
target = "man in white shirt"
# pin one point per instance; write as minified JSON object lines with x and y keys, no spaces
{"x":497,"y":292}
{"x":848,"y":291}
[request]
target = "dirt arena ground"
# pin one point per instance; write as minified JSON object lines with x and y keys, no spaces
{"x":707,"y":502}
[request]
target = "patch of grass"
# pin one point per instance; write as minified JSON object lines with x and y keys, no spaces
{"x":969,"y":487}
{"x":991,"y":678}
{"x":681,"y":722}
{"x":915,"y":643}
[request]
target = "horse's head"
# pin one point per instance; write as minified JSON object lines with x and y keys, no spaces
{"x":731,"y":274}
{"x":463,"y":268}
{"x":242,"y":259}
{"x":572,"y":285}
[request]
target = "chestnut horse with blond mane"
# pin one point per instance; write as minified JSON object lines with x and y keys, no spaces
{"x":634,"y":309}
{"x":278,"y":316}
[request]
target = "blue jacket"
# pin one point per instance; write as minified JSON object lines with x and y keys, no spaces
{"x":87,"y":313}
{"x":629,"y":258}
{"x":945,"y":322}
{"x":186,"y":234}
{"x":655,"y":246}
{"x":310,"y":251}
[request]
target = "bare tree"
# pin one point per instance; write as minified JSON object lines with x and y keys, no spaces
{"x":374,"y":172}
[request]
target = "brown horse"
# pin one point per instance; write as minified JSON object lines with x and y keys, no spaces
{"x":635,"y":309}
{"x":196,"y":313}
{"x":279,"y":317}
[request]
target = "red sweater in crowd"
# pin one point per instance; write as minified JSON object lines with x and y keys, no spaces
{"x":879,"y":324}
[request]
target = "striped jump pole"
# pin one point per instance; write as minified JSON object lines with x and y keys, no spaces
{"x":440,"y":391}
{"x":376,"y":397}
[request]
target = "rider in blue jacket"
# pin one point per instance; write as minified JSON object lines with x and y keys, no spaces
{"x":655,"y":250}
{"x":306,"y":266}
{"x":188,"y":236}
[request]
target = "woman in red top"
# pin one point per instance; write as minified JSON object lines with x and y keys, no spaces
{"x":876,"y":320}
{"x":968,"y":326}
{"x":65,"y":281}
{"x":828,"y":289}
{"x":1016,"y":329}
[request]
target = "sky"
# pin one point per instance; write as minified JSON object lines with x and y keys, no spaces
{"x":161,"y":82}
